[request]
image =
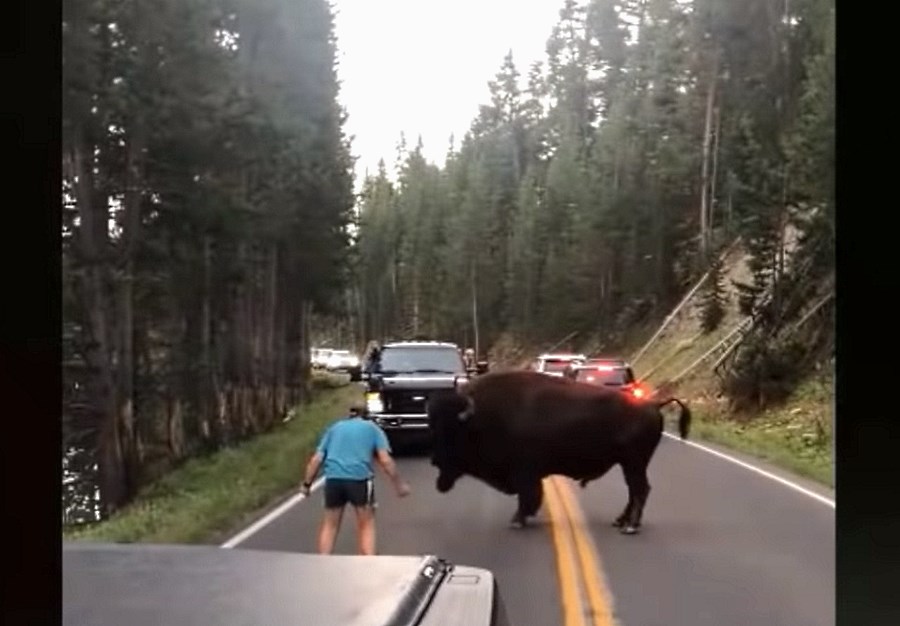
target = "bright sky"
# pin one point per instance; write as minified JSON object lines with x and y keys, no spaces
{"x":422,"y":67}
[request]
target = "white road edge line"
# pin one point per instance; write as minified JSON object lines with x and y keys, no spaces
{"x":271,"y":515}
{"x":762,"y":472}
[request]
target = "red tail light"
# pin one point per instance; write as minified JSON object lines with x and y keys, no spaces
{"x":637,"y":391}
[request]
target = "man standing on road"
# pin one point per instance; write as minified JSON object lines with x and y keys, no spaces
{"x":469,"y":359}
{"x":345,"y":454}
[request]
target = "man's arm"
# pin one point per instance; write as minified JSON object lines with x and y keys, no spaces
{"x":314,"y":463}
{"x":390,"y":468}
{"x":383,"y":456}
{"x":312,"y":468}
{"x":387,"y":464}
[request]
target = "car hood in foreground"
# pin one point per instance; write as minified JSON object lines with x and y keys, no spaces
{"x":138,"y":585}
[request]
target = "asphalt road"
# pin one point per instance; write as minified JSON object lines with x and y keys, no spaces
{"x":721,"y":544}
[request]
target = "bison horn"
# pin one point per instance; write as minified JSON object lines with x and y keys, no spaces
{"x":468,"y":411}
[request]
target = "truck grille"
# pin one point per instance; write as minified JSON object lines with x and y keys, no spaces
{"x":405,"y":401}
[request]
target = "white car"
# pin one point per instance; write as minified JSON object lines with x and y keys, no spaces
{"x":557,"y":364}
{"x":344,"y":361}
{"x":320,"y":357}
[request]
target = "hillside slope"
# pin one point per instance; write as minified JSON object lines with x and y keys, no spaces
{"x":795,"y":434}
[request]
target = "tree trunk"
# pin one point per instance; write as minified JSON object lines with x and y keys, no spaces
{"x":174,"y":428}
{"x":715,"y":167}
{"x":475,"y":313}
{"x":240,"y":345}
{"x":210,"y":421}
{"x":92,"y":248}
{"x":730,"y":207}
{"x":130,"y":238}
{"x":252,"y":305}
{"x":705,"y":185}
{"x":415,"y":316}
{"x":271,"y":385}
{"x":305,"y":345}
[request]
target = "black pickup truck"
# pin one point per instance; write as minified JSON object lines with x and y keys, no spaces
{"x":399,"y":377}
{"x":150,"y":585}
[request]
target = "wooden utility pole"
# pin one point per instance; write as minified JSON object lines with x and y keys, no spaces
{"x":475,"y":311}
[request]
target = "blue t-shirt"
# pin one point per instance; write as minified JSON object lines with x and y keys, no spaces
{"x":348,"y":447}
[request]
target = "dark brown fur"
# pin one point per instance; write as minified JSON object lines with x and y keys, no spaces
{"x":512,"y":429}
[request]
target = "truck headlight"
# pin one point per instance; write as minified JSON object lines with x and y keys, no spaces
{"x":374,"y":403}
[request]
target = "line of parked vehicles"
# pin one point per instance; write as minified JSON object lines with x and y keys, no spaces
{"x":601,"y":371}
{"x":399,"y":376}
{"x":337,"y":361}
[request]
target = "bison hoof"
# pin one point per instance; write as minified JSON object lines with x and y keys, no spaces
{"x":518,"y":522}
{"x":629,"y":530}
{"x":444,"y":484}
{"x":620,"y":522}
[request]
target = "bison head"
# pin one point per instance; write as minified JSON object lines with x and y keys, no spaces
{"x":448,"y":413}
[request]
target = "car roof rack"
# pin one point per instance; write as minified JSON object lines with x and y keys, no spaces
{"x":413,"y":343}
{"x":607,"y":359}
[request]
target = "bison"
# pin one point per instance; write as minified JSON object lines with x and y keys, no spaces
{"x":512,"y":429}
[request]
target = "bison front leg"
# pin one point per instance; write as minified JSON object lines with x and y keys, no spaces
{"x":531,"y":496}
{"x":626,"y":512}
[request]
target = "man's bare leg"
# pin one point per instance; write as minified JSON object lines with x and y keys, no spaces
{"x":365,"y":529}
{"x":331,"y":524}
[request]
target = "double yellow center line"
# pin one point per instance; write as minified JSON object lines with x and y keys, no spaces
{"x":586,"y":600}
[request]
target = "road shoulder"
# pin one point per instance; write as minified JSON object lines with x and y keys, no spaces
{"x":761,"y":464}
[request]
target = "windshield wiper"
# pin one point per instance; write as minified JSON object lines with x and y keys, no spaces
{"x":433,"y":371}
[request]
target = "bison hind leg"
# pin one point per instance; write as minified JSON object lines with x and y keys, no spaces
{"x":531,"y":496}
{"x":638,"y":490}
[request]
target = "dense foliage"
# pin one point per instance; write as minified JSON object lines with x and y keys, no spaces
{"x":207,"y":193}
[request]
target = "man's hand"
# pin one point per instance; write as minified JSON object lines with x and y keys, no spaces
{"x":312,"y":468}
{"x":402,"y":488}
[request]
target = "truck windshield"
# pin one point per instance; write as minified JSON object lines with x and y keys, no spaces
{"x":420,"y":360}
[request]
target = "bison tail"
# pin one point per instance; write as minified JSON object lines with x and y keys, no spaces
{"x":684,"y":420}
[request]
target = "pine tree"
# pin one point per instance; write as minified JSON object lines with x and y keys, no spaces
{"x":713,"y":299}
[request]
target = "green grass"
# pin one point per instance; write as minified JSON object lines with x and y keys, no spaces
{"x":207,"y":498}
{"x":796,"y":436}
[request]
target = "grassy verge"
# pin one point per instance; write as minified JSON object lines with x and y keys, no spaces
{"x":796,"y":436}
{"x":206,"y":498}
